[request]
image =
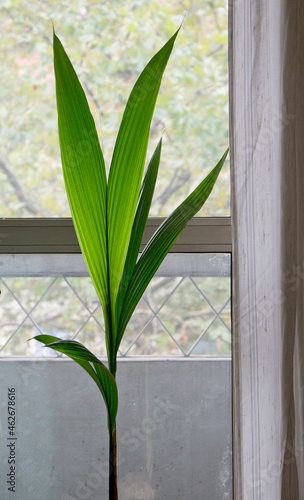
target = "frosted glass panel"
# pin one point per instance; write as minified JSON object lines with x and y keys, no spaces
{"x":174,"y":431}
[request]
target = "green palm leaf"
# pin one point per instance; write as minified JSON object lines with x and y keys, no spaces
{"x":127,"y":166}
{"x":161,"y":242}
{"x":139,"y":223}
{"x":99,"y":372}
{"x":83,"y":169}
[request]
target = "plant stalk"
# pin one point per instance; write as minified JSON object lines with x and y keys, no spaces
{"x":113,"y":494}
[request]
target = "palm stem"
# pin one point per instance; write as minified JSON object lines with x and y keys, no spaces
{"x":113,"y":494}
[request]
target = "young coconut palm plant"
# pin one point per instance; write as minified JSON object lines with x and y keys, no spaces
{"x":110,"y":215}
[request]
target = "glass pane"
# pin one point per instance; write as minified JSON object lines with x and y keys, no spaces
{"x":184,"y":311}
{"x":173,"y":431}
{"x":109,"y":44}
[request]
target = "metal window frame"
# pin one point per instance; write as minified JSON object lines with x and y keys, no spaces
{"x":40,"y":247}
{"x":57,"y":236}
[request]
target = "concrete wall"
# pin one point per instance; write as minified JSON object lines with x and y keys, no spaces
{"x":174,"y":431}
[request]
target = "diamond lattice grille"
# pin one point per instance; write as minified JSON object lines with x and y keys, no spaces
{"x":178,"y":315}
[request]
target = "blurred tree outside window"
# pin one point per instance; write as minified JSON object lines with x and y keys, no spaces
{"x":109,"y":43}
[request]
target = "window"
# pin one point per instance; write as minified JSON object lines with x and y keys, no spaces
{"x":43,"y":256}
{"x":185,"y":314}
{"x":181,"y":395}
{"x":192,"y":105}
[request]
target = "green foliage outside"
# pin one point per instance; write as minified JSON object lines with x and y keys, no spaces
{"x":109,"y":43}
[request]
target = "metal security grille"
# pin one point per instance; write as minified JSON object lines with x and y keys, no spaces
{"x":185,"y":311}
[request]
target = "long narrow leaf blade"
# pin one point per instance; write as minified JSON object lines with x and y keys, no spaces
{"x":83,"y":169}
{"x":100,"y":373}
{"x":139,"y":223}
{"x":128,"y":162}
{"x":162,"y":241}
